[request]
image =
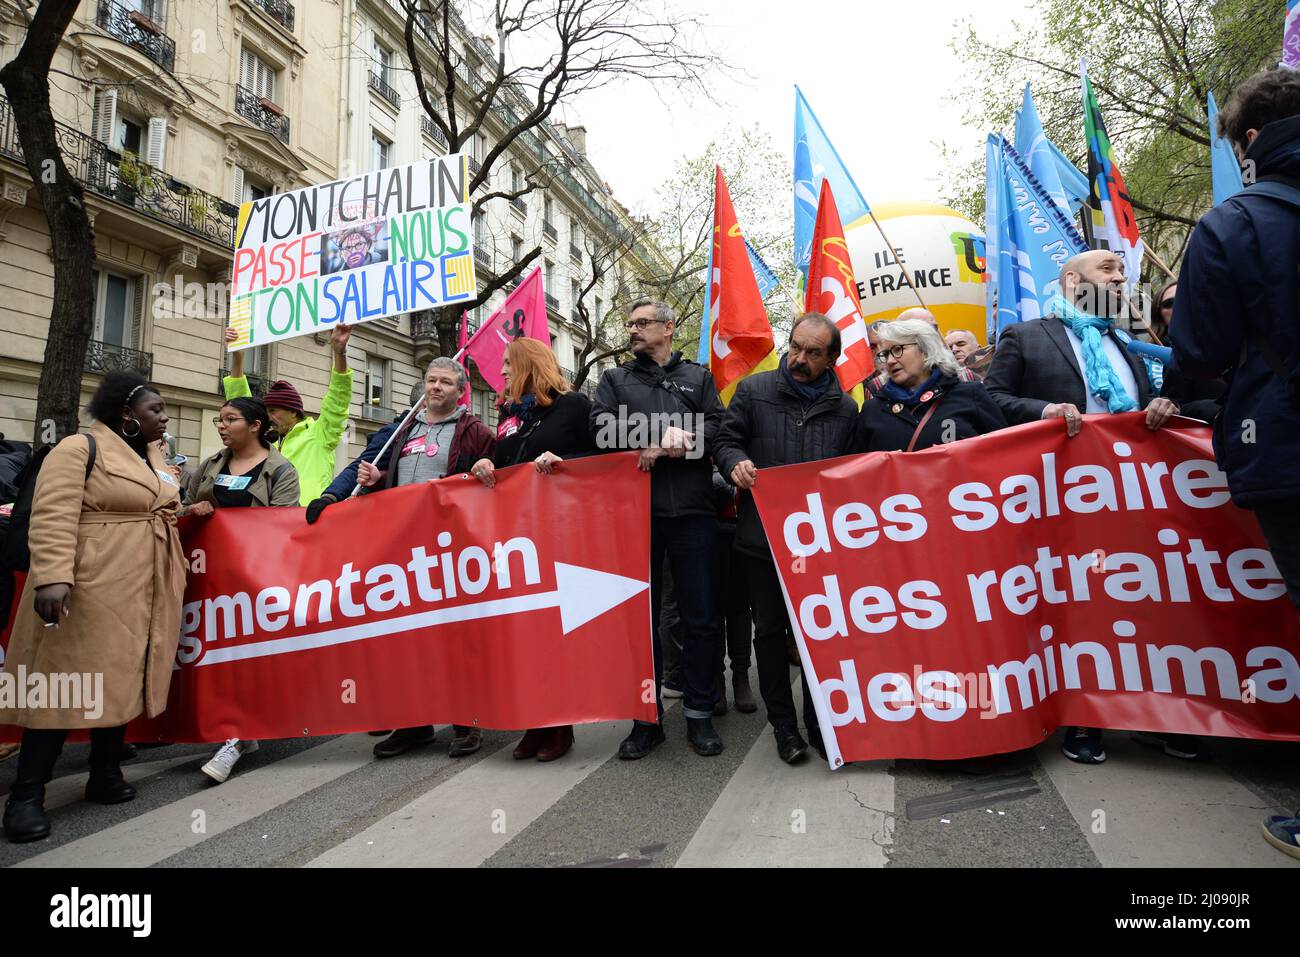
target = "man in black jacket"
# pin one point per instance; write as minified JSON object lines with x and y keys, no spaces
{"x":797,"y":413}
{"x":667,"y":407}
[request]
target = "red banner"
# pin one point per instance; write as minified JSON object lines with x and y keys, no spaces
{"x":970,"y":598}
{"x":526,"y":605}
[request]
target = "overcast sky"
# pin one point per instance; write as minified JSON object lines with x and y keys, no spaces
{"x":878,"y":74}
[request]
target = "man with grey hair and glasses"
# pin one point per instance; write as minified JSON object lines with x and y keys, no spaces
{"x":442,"y":438}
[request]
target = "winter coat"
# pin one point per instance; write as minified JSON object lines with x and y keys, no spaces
{"x":113,"y":538}
{"x":633,"y":398}
{"x":1238,"y":276}
{"x":963,"y":410}
{"x":561,"y":428}
{"x":277,"y":483}
{"x":767,"y":423}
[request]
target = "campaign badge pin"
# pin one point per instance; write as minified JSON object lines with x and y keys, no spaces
{"x":927,"y":396}
{"x":897,"y":408}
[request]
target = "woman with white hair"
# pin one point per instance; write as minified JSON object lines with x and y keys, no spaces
{"x":923,"y":401}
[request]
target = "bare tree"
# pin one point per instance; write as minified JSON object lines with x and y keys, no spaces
{"x":599,"y":332}
{"x":566,"y":48}
{"x":25,"y":79}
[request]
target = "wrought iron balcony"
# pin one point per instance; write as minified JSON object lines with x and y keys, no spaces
{"x":474,"y":166}
{"x":575,"y":253}
{"x":377,"y":413}
{"x":136,"y":30}
{"x":430,"y":129}
{"x":257,"y":384}
{"x":131,"y":182}
{"x":104,"y":357}
{"x":262,"y":113}
{"x":482,"y":257}
{"x":280,"y":11}
{"x":519,"y":206}
{"x":380,"y":86}
{"x":552,"y":303}
{"x":550,"y":232}
{"x":423,"y":326}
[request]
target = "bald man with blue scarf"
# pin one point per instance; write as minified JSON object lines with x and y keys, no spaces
{"x":1069,"y":364}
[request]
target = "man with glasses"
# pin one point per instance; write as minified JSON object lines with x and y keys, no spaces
{"x":667,"y":408}
{"x":795,"y":413}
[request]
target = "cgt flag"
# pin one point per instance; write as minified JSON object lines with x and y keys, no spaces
{"x":740,"y":336}
{"x":521,"y":316}
{"x":971,"y":598}
{"x":832,"y":290}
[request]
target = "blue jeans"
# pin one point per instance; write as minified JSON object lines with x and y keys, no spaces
{"x":689,"y":543}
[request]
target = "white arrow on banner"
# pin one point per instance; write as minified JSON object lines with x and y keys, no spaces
{"x":581,"y":594}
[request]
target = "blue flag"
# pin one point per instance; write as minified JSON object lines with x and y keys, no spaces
{"x":1033,"y":240}
{"x":1061,"y":180}
{"x":815,"y":160}
{"x":1225,"y":171}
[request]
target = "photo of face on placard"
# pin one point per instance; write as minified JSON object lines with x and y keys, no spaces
{"x":354,"y":247}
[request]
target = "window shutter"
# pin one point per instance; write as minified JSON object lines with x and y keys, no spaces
{"x":237,"y":187}
{"x":135,"y":321}
{"x":105,"y":120}
{"x":246,"y":70}
{"x":157,"y":141}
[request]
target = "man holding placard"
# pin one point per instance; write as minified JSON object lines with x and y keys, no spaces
{"x":306,"y":442}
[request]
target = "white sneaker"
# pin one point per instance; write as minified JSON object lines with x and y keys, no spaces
{"x":223,"y":762}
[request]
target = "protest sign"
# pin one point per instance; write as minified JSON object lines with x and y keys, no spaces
{"x":970,"y":598}
{"x":353,"y":250}
{"x":442,"y":602}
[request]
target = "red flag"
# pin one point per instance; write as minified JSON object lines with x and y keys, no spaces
{"x":521,"y":316}
{"x":740,"y":331}
{"x":833,"y":290}
{"x":462,"y":340}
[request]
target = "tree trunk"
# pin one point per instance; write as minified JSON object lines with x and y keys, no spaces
{"x":72,"y":241}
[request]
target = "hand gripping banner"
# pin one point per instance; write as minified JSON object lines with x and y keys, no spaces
{"x":525,"y":605}
{"x":971,"y":598}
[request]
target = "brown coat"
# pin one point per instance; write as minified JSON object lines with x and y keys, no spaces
{"x":276,"y":485}
{"x":115,"y":542}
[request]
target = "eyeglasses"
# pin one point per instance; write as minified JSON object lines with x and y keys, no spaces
{"x":1167,"y":304}
{"x":640,"y":323}
{"x":219,"y":420}
{"x":895,"y":352}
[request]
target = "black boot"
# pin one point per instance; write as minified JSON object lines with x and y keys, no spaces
{"x":106,"y":784}
{"x":704,"y":739}
{"x":25,"y":819}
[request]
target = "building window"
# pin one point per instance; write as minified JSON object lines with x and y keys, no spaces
{"x":383,"y":63}
{"x":257,"y":75}
{"x":380,"y":149}
{"x":245,"y":190}
{"x":116,"y":300}
{"x":575,"y":292}
{"x":376,"y":369}
{"x":516,"y":249}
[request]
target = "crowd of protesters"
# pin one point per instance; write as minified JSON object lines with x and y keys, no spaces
{"x":107,"y":576}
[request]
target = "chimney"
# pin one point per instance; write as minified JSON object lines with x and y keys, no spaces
{"x":578,"y":137}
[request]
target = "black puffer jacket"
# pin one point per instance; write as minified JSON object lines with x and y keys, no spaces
{"x":766,"y":423}
{"x":623,"y":417}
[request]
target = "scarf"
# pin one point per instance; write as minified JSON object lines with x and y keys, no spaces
{"x":1103,"y":382}
{"x":520,"y":410}
{"x":808,"y":392}
{"x":895,"y":392}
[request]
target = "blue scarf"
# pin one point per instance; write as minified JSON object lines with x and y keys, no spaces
{"x":1103,"y":382}
{"x":808,"y":392}
{"x":892,"y":390}
{"x":520,"y":410}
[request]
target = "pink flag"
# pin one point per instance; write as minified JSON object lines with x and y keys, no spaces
{"x":462,"y":340}
{"x":521,"y":316}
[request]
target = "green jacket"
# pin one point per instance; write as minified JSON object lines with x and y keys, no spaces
{"x":310,"y":445}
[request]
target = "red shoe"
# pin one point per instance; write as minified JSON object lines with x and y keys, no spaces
{"x":558,"y":743}
{"x":532,"y":741}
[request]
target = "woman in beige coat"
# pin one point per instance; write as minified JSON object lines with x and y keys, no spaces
{"x":102,"y":601}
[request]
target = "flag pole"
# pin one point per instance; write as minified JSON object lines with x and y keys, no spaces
{"x":894,"y":252}
{"x":1135,"y":311}
{"x":1156,"y":259}
{"x":406,"y":418}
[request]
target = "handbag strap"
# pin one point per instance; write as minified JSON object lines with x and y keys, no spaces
{"x":921,"y":425}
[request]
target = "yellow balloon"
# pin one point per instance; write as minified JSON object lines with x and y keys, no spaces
{"x":941,"y":250}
